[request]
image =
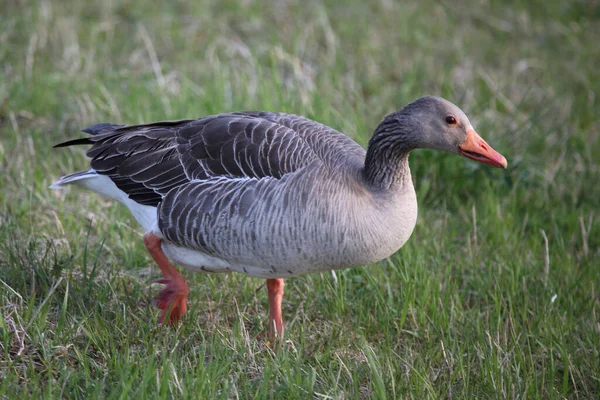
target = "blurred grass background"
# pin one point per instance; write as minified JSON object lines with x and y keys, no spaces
{"x":496,"y":295}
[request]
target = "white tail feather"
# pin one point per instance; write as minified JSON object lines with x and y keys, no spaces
{"x":145,"y":215}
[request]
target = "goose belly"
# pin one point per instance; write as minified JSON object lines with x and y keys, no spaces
{"x":294,"y":259}
{"x":198,"y":261}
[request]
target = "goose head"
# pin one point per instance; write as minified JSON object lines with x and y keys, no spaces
{"x":435,"y":123}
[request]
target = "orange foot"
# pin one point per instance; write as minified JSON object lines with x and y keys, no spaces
{"x":172,"y":300}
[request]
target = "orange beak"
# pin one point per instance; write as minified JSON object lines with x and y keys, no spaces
{"x":477,"y":149}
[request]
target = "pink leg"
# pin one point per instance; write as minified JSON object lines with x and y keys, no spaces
{"x":172,"y":300}
{"x":275,"y":287}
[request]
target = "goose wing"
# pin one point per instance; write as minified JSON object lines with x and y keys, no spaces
{"x":148,"y":161}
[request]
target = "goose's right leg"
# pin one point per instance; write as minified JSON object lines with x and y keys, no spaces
{"x":275,"y":288}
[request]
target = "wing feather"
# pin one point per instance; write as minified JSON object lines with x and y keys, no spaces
{"x":147,"y":161}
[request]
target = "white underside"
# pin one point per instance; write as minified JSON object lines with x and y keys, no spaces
{"x":197,"y":261}
{"x":147,"y":217}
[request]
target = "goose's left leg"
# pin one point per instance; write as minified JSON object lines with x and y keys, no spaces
{"x":275,"y":287}
{"x":172,"y":300}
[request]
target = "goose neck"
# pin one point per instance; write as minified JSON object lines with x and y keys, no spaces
{"x":386,"y":164}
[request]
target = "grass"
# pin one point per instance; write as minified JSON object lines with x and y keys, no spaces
{"x":496,"y":295}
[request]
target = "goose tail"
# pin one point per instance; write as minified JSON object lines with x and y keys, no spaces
{"x":76,"y":177}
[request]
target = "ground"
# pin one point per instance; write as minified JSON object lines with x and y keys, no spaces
{"x":496,"y":295}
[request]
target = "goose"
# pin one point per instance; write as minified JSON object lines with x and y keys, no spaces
{"x":270,"y":195}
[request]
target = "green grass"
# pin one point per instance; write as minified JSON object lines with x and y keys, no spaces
{"x":476,"y":305}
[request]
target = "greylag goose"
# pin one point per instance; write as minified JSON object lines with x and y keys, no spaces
{"x":270,"y":195}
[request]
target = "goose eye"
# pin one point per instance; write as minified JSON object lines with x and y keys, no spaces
{"x":450,"y":120}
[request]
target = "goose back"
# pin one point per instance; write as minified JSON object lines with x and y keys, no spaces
{"x":147,"y":161}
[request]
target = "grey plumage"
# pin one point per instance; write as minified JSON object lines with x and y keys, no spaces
{"x":272,"y":194}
